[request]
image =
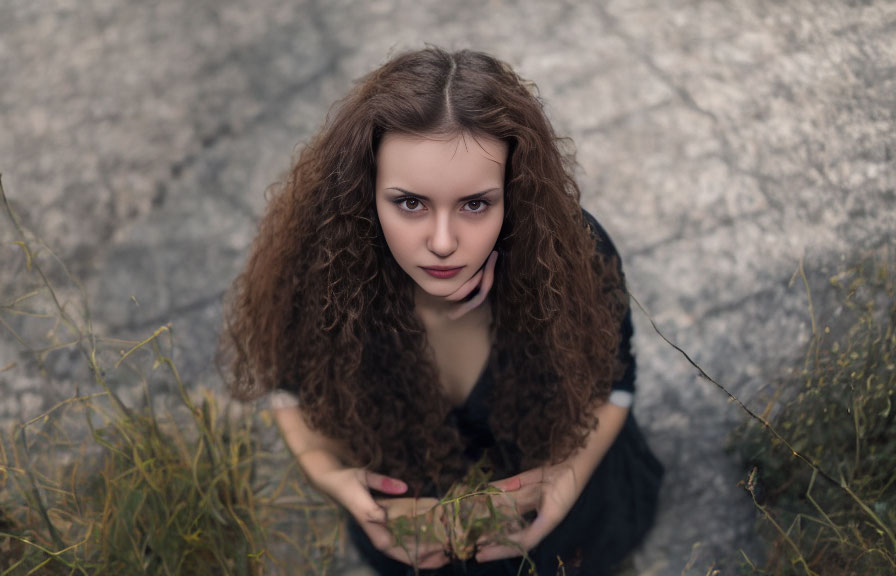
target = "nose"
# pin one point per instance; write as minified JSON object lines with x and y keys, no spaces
{"x":442,"y":239}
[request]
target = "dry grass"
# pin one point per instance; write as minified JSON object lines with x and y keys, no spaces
{"x":182,"y":485}
{"x":834,"y":512}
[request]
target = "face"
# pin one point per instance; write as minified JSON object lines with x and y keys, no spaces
{"x":440,"y":202}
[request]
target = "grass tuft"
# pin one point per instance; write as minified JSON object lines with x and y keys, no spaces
{"x":188,"y":484}
{"x":836,"y":515}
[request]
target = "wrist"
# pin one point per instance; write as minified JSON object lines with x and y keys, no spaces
{"x":317,"y":463}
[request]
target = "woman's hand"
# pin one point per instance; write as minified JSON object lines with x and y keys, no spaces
{"x":350,"y":487}
{"x":549,"y":490}
{"x":415,"y":529}
{"x":484,"y":279}
{"x":319,"y":458}
{"x":552,"y":490}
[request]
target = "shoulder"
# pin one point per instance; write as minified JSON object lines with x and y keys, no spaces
{"x":602,"y":242}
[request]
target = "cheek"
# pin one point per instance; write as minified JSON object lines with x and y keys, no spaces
{"x":398,"y":238}
{"x":481,"y":240}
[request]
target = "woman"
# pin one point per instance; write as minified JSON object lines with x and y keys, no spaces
{"x":427,"y":290}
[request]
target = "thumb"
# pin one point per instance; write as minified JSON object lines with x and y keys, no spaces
{"x":384,"y":484}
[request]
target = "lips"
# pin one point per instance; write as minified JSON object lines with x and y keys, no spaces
{"x":442,"y":271}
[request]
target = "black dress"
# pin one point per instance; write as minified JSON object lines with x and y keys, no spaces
{"x":613,"y":512}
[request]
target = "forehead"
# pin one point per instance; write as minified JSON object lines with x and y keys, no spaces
{"x":454,"y":162}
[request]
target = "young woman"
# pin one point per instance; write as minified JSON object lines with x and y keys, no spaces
{"x":426,"y":292}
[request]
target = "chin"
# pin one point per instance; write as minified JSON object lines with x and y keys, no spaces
{"x":440,"y":288}
{"x":439,"y":293}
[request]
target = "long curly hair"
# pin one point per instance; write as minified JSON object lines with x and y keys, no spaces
{"x":324,"y":311}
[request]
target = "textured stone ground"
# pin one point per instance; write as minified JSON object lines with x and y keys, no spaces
{"x":719,"y":142}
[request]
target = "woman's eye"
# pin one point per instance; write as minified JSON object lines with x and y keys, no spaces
{"x":409,"y":204}
{"x":476,"y":206}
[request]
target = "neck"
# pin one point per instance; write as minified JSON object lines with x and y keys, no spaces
{"x":428,"y":304}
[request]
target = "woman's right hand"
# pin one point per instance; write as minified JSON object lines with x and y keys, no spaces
{"x":319,"y":458}
{"x":351,"y":488}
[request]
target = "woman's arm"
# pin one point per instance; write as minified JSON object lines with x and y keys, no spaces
{"x":611,"y":419}
{"x":321,"y":461}
{"x":315,"y":453}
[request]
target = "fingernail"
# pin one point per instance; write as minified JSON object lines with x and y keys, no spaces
{"x":390,"y":484}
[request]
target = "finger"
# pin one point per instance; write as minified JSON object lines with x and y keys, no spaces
{"x":509,"y":547}
{"x":466,"y":288}
{"x":408,"y":554}
{"x":430,"y":555}
{"x":469,"y":305}
{"x":527,"y":478}
{"x":484,"y":279}
{"x":396,"y":507}
{"x":498,"y":552}
{"x":434,"y":561}
{"x":513,"y":545}
{"x":379,"y":536}
{"x":511,"y":484}
{"x":489,"y":278}
{"x":384,"y":484}
{"x":373,"y":514}
{"x":523,"y":500}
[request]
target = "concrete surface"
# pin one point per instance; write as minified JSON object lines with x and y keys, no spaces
{"x":719,"y":143}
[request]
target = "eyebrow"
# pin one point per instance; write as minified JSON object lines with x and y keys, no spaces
{"x":463,"y":199}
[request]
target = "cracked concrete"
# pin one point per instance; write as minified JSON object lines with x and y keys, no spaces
{"x":719,"y":143}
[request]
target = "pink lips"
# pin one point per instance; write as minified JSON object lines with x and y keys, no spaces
{"x":441,"y":272}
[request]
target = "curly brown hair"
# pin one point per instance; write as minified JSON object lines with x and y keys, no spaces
{"x":324,"y":311}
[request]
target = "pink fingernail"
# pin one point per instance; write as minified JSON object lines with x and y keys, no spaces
{"x":390,"y":484}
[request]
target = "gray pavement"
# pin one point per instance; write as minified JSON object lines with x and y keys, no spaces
{"x":719,"y":142}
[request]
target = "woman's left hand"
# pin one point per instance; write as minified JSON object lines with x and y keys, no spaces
{"x":549,"y":490}
{"x":552,"y":490}
{"x":483,"y":279}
